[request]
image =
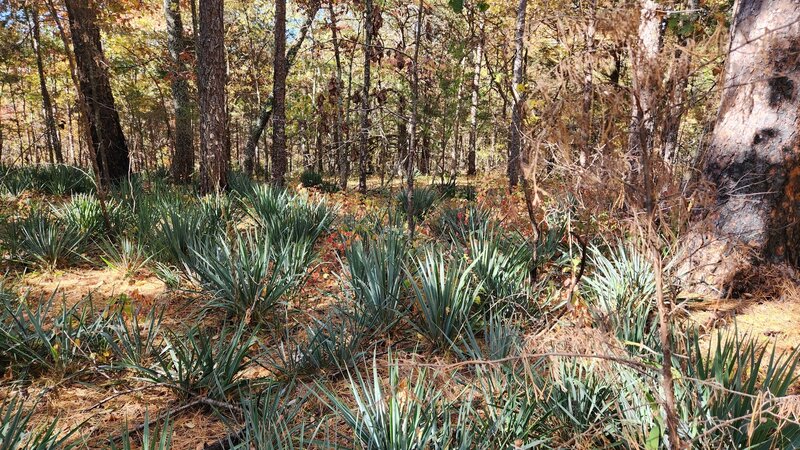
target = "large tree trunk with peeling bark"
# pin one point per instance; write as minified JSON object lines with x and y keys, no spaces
{"x":752,"y":162}
{"x":108,"y":141}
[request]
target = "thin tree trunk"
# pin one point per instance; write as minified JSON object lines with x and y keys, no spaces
{"x":183,"y":146}
{"x":588,"y":84}
{"x":211,"y":77}
{"x":267,"y":107}
{"x":363,"y":142}
{"x":53,"y":139}
{"x":108,"y":141}
{"x":473,"y":107}
{"x":644,"y":81}
{"x":412,"y":138}
{"x":278,"y":154}
{"x":515,"y":141}
{"x":342,"y":150}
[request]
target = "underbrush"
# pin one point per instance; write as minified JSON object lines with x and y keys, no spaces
{"x":312,"y":327}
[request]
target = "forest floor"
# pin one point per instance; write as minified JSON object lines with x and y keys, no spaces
{"x":102,"y":403}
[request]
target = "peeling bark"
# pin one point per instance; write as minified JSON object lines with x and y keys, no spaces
{"x":752,"y":165}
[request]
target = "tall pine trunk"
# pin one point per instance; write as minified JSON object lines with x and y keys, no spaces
{"x":110,"y":151}
{"x":342,"y":149}
{"x":752,"y":161}
{"x":278,"y":154}
{"x":211,"y":77}
{"x":473,"y":107}
{"x":183,"y":147}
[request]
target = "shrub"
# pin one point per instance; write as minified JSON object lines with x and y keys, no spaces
{"x":128,"y":257}
{"x":289,"y":219}
{"x":43,"y":241}
{"x":737,"y":383}
{"x":247,"y":275}
{"x":199,"y":362}
{"x":501,"y":264}
{"x":622,"y":286}
{"x":375,"y":277}
{"x":422,"y":201}
{"x":443,"y":297}
{"x":63,"y":180}
{"x":262,"y":431}
{"x":309,"y":178}
{"x":402,"y":417}
{"x":16,"y":434}
{"x":15,"y":181}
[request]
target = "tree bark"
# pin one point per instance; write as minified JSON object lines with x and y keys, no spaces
{"x":644,"y":81}
{"x":211,"y":78}
{"x":363,"y":136}
{"x":280,"y":69}
{"x":752,"y":160}
{"x":412,"y":138}
{"x":473,"y":107}
{"x":267,"y":107}
{"x":183,"y":146}
{"x":515,"y":140}
{"x":108,"y":141}
{"x":342,"y":150}
{"x":53,"y":139}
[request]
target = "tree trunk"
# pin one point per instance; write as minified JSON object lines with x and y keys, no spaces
{"x":211,"y":87}
{"x":183,"y":147}
{"x":53,"y":139}
{"x":752,"y":160}
{"x":267,"y":107}
{"x":363,"y":137}
{"x":108,"y":141}
{"x":412,"y":138}
{"x":342,"y":150}
{"x":588,"y":84}
{"x":278,"y":154}
{"x":644,"y":81}
{"x":515,"y":140}
{"x":473,"y":107}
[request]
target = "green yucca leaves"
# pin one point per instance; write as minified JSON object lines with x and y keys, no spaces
{"x":444,"y":296}
{"x":403,"y":416}
{"x":249,"y":274}
{"x":422,"y":201}
{"x":16,"y":434}
{"x":375,"y":277}
{"x":43,"y":241}
{"x":160,"y":440}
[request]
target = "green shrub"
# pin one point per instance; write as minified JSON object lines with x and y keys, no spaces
{"x":249,"y":274}
{"x":501,"y":263}
{"x":63,"y":180}
{"x":735,"y":388}
{"x":621,"y":288}
{"x":444,"y":296}
{"x":43,"y":241}
{"x":128,"y":257}
{"x":15,"y":181}
{"x":375,"y":277}
{"x":160,"y":440}
{"x":309,"y":178}
{"x":17,"y":434}
{"x":262,"y":431}
{"x":423,"y":200}
{"x":398,"y":418}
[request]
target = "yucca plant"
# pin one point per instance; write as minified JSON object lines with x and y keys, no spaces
{"x":248,"y":275}
{"x":127,"y":256}
{"x":622,"y":289}
{"x":129,"y":345}
{"x":270,"y":417}
{"x":740,"y":382}
{"x":179,"y":225}
{"x":458,"y":224}
{"x":198,"y":362}
{"x":161,"y":439}
{"x":423,"y":200}
{"x":60,"y":180}
{"x":501,"y":263}
{"x":331,"y":345}
{"x":498,"y":338}
{"x":15,"y":181}
{"x":43,"y":241}
{"x":402,"y":416}
{"x":17,"y":434}
{"x":32,"y":342}
{"x":83,"y":213}
{"x":444,"y":296}
{"x":375,"y":276}
{"x":289,"y":218}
